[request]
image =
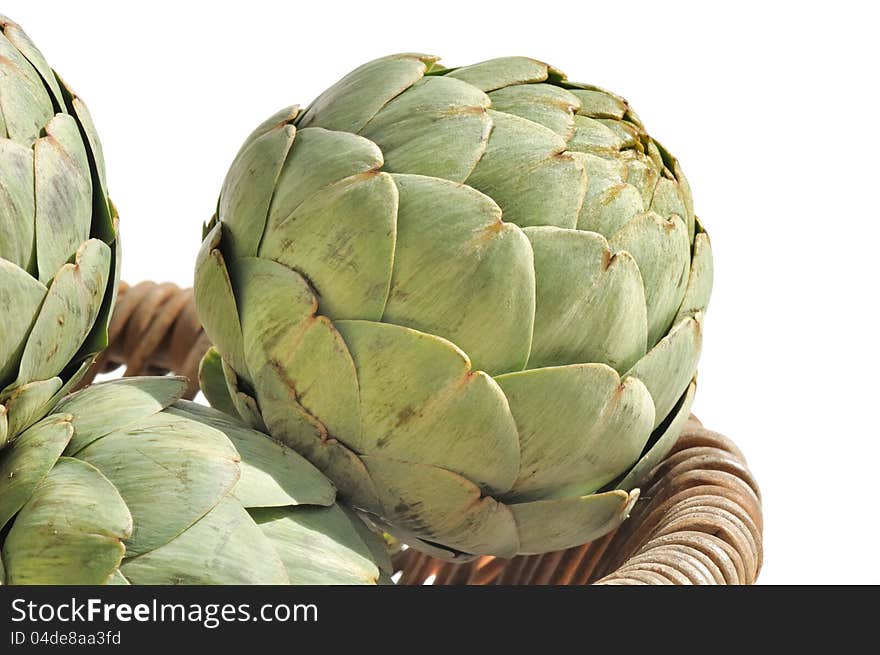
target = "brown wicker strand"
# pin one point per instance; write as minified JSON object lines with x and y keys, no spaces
{"x":155,"y":330}
{"x":698,"y":519}
{"x":547,"y":566}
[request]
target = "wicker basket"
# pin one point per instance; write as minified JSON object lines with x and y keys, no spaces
{"x":697,"y":521}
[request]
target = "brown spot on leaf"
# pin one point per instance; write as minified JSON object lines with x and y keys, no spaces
{"x":366,"y":175}
{"x":404,"y":416}
{"x":495,"y":227}
{"x":608,"y":259}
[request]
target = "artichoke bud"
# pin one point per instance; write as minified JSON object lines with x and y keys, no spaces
{"x":58,"y":251}
{"x":471,"y":296}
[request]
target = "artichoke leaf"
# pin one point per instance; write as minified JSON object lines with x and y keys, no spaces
{"x":526,"y":170}
{"x":222,"y":385}
{"x":428,"y":547}
{"x":71,"y":530}
{"x":28,"y":403}
{"x":99,"y":337}
{"x":669,"y":366}
{"x":286,"y":116}
{"x":685,"y":191}
{"x":213,"y":383}
{"x":17,"y":210}
{"x":276,"y":304}
{"x":23,"y":44}
{"x":223,"y":547}
{"x":442,"y":413}
{"x":318,"y":159}
{"x":63,"y":194}
{"x":20,"y":290}
{"x":664,"y":442}
{"x":272,"y":474}
{"x":168,"y":482}
{"x":590,"y":302}
{"x":438,"y":505}
{"x":291,"y":424}
{"x":297,"y":355}
{"x":216,"y":302}
{"x":548,"y":525}
{"x":640,"y":172}
{"x":669,"y":200}
{"x":330,"y":456}
{"x":245,"y":405}
{"x":699,"y":289}
{"x":598,"y":103}
{"x":580,"y":427}
{"x":349,"y":104}
{"x":373,"y":540}
{"x":545,"y":104}
{"x":628,"y":135}
{"x":106,"y":407}
{"x":611,"y":209}
{"x":342,"y":241}
{"x":68,"y":313}
{"x":661,"y":248}
{"x":103,"y":223}
{"x":503,"y":71}
{"x":77,"y":372}
{"x":462,"y":274}
{"x":116,"y":578}
{"x":24,"y":103}
{"x":437,"y":127}
{"x":25,"y":462}
{"x":318,"y":545}
{"x":248,"y":188}
{"x":594,"y":136}
{"x":611,"y":201}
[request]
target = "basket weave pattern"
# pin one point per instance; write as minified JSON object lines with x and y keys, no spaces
{"x":698,"y":519}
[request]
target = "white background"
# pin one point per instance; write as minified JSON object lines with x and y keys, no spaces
{"x":772,"y":108}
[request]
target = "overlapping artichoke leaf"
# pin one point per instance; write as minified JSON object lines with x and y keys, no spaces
{"x":350,"y":104}
{"x":590,"y":301}
{"x":71,"y":530}
{"x":224,"y":546}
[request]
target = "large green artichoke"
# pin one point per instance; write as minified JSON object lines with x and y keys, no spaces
{"x":58,"y":259}
{"x":472,"y":297}
{"x":124,"y":483}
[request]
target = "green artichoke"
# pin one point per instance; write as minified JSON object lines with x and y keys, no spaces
{"x":58,"y":259}
{"x":472,"y":297}
{"x":124,"y":483}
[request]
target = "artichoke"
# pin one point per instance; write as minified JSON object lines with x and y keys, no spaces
{"x":472,"y":297}
{"x":124,"y":483}
{"x":58,"y":259}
